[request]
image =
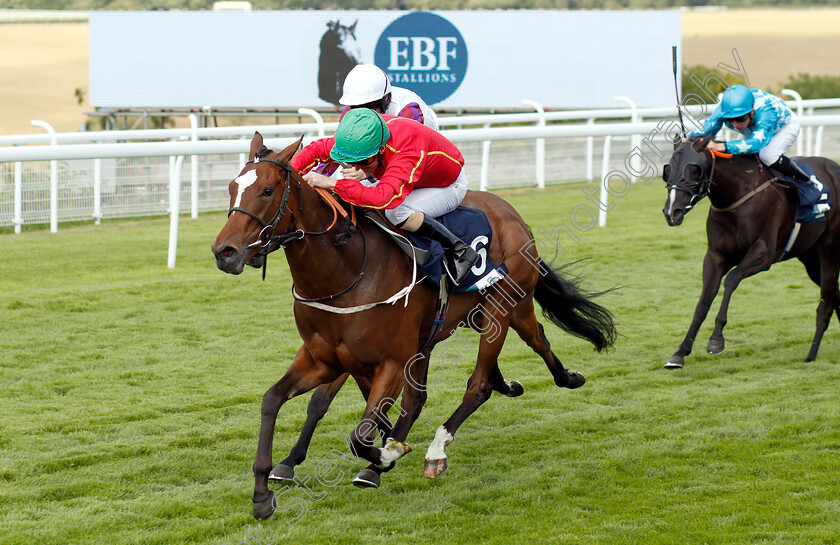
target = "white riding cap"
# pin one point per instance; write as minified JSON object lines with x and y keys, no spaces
{"x":365,"y":83}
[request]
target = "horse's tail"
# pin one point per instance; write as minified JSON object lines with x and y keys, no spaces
{"x":571,"y":309}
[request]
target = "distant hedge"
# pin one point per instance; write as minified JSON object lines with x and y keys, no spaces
{"x":812,"y":86}
{"x":807,"y":85}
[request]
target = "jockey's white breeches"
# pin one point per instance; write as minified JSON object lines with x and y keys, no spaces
{"x":432,"y":201}
{"x":780,"y":142}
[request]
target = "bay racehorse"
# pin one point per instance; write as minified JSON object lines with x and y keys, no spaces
{"x":359,"y":312}
{"x":749,"y":228}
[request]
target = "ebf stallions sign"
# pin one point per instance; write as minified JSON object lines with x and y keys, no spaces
{"x":481,"y":59}
{"x":425,"y":53}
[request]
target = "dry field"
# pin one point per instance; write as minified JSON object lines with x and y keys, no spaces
{"x":773,"y":44}
{"x":41,"y":65}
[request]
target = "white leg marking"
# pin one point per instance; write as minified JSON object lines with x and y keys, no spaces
{"x":392,"y":452}
{"x":442,"y":438}
{"x":242,"y":183}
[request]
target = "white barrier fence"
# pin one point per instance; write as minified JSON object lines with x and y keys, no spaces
{"x":97,"y":180}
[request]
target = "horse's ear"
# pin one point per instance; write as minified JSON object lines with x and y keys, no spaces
{"x":700,"y":144}
{"x":256,"y":145}
{"x":677,"y":140}
{"x":290,"y":151}
{"x":352,"y":28}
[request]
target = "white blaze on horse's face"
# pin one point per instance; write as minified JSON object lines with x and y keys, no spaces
{"x":671,"y":198}
{"x":242,"y":183}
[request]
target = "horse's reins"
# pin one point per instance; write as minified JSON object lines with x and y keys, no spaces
{"x":273,"y":242}
{"x":732,"y":207}
{"x":291,"y":234}
{"x":745,"y":198}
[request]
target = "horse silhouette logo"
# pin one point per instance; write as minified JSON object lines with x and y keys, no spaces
{"x":339,"y":54}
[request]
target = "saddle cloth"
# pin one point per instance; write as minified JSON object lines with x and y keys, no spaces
{"x":471,"y":226}
{"x":809,"y":197}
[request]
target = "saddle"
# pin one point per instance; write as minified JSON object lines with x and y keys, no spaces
{"x":810,"y":204}
{"x":469,"y":224}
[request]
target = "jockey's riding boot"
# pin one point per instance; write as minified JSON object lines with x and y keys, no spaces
{"x":459,"y":256}
{"x":788,"y":167}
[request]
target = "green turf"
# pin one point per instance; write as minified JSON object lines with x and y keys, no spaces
{"x":131,"y":392}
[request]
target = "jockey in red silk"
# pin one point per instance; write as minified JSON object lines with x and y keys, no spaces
{"x":367,"y":86}
{"x":765,"y":126}
{"x":420,"y":176}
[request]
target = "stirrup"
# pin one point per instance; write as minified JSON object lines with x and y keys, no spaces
{"x":459,"y":269}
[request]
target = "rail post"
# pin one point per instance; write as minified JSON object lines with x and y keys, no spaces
{"x":485,"y":162}
{"x":193,"y":169}
{"x":590,"y":152}
{"x":53,"y":175}
{"x":540,"y":144}
{"x":317,"y":117}
{"x":605,"y":170}
{"x":634,"y":139}
{"x":18,"y":219}
{"x":174,"y":206}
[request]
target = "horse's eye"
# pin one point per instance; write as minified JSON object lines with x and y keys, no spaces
{"x":268,"y":192}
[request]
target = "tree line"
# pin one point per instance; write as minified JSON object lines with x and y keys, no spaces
{"x":404,"y":4}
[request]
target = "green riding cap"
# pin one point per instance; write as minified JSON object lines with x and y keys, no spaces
{"x":359,"y":136}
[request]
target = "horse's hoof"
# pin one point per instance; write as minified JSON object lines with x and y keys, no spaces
{"x":264,"y":509}
{"x":435,"y":468}
{"x":676,"y":362}
{"x":282,"y":472}
{"x":515,"y":388}
{"x":715,"y":346}
{"x":576,"y":380}
{"x":366,"y":479}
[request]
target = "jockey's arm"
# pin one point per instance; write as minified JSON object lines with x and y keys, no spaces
{"x":712,"y":125}
{"x":765,"y":127}
{"x":313,"y":154}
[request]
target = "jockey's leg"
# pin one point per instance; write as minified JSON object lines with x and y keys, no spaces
{"x":789,"y":167}
{"x":773,"y":155}
{"x":416,"y":215}
{"x":460,"y":256}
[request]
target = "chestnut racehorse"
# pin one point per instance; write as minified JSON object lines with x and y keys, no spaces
{"x":359,"y":311}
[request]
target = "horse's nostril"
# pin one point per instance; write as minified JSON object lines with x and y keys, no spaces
{"x":228,"y":252}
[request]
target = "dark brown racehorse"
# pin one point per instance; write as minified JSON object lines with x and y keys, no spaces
{"x":340,"y":284}
{"x":748,"y":229}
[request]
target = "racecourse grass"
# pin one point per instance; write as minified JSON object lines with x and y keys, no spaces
{"x":131,"y":398}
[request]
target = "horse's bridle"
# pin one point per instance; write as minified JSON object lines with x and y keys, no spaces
{"x":704,"y":185}
{"x":274,"y":242}
{"x":268,"y":227}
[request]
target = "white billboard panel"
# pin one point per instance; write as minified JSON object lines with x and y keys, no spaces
{"x":453,"y":59}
